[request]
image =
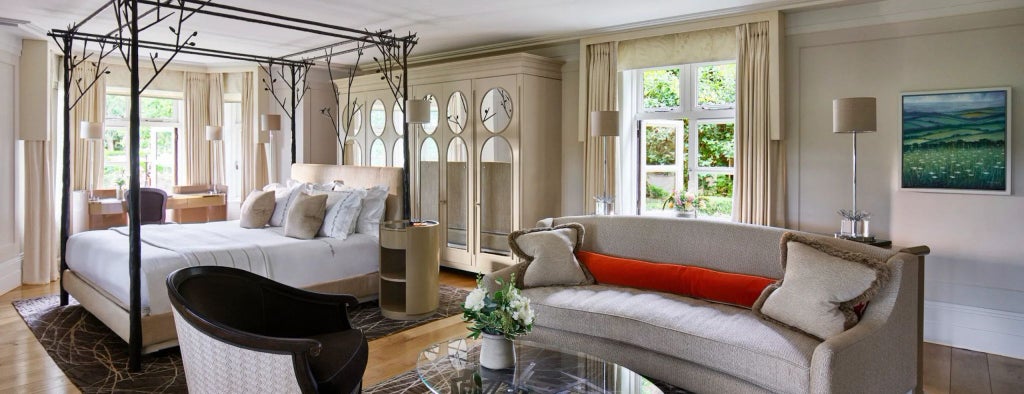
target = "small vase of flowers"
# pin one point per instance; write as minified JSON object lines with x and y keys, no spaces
{"x":684,"y":204}
{"x":120,"y":182}
{"x":498,"y":318}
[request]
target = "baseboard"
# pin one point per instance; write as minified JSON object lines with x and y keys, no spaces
{"x":973,"y":328}
{"x":10,"y":274}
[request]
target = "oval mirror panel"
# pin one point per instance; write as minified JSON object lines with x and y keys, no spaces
{"x":496,"y":110}
{"x":458,"y":112}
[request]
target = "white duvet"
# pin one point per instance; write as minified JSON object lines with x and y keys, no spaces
{"x":101,"y":257}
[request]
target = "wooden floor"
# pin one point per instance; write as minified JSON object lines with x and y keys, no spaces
{"x":25,"y":367}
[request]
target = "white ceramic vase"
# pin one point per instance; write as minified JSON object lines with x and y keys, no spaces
{"x":496,"y":352}
{"x":686,"y":214}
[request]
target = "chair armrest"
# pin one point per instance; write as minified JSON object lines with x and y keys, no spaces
{"x":505,"y":274}
{"x":879,"y":354}
{"x":301,"y":313}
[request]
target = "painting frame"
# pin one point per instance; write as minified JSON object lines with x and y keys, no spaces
{"x":954,"y":103}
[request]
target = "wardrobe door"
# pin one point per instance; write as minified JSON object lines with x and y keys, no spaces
{"x":380,"y":135}
{"x":456,"y":143}
{"x":497,"y":178}
{"x":351,"y":123}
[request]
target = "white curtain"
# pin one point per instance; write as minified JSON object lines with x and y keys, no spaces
{"x":196,"y":157}
{"x":602,"y":95}
{"x":40,"y":263}
{"x":760,"y":165}
{"x":254,"y":156}
{"x":86,"y":157}
{"x":217,"y":119}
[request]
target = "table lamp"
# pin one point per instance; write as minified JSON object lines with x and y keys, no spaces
{"x":90,"y":131}
{"x":854,"y":115}
{"x":604,"y":125}
{"x":214,"y":134}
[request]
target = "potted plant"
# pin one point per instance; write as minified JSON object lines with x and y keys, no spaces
{"x":499,"y":318}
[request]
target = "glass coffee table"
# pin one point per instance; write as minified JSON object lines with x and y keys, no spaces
{"x":454,"y":367}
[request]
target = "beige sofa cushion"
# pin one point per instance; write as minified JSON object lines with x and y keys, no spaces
{"x":257,"y":209}
{"x":821,"y":286}
{"x":720,"y":337}
{"x":305,"y":216}
{"x":551,"y":255}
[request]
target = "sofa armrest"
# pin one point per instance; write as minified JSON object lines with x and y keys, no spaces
{"x":879,"y":354}
{"x":504,"y":274}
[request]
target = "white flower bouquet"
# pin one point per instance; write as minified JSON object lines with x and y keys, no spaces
{"x":506,"y":312}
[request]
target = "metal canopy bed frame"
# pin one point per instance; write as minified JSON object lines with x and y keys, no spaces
{"x":125,"y":40}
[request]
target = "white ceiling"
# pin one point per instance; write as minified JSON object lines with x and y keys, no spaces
{"x":442,"y":25}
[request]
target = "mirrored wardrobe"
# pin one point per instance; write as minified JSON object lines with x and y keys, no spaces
{"x":488,"y":161}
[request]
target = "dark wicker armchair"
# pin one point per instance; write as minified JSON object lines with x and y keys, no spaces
{"x":241,"y":332}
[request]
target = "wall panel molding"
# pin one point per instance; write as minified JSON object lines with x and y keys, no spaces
{"x":979,"y":329}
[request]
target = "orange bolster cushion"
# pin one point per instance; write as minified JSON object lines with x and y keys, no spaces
{"x":726,"y":287}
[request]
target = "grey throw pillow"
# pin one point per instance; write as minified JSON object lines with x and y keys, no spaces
{"x":305,"y":216}
{"x":821,"y":286}
{"x":550,"y":253}
{"x":257,"y":209}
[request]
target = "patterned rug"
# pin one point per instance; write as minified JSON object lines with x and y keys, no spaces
{"x":96,"y":359}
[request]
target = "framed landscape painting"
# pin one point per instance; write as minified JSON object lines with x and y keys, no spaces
{"x":956,"y":141}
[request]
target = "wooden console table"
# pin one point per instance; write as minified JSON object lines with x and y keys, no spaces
{"x":105,"y":213}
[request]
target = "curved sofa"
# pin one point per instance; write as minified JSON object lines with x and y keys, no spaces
{"x":711,"y":347}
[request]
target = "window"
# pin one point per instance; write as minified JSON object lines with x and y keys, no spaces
{"x":686,"y":117}
{"x":233,"y":150}
{"x":157,"y":141}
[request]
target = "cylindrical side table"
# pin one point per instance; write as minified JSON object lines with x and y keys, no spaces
{"x":409,"y":266}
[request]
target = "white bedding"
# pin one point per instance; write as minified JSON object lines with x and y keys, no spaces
{"x":101,"y":257}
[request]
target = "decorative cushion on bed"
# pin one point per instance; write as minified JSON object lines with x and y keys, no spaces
{"x":284,"y":198}
{"x":821,"y":286}
{"x":550,"y":253}
{"x":697,"y":282}
{"x":257,"y":209}
{"x":305,"y":216}
{"x":342,"y":212}
{"x":373,"y":208}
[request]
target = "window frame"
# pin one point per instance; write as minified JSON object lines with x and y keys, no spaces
{"x":164,"y":123}
{"x":689,"y":110}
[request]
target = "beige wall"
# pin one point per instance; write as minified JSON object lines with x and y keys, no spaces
{"x":572,"y":149}
{"x":974,"y":286}
{"x":10,"y":238}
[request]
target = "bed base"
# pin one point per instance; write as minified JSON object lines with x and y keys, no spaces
{"x":158,"y":330}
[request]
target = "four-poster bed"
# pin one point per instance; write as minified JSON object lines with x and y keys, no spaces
{"x":125,"y":40}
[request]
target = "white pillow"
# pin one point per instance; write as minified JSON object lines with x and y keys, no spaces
{"x":283,"y":198}
{"x":342,"y":211}
{"x":373,"y":208}
{"x":322,"y":187}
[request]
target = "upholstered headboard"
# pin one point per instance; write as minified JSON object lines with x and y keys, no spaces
{"x":357,"y":176}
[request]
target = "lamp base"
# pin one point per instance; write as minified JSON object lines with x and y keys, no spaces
{"x":856,"y":238}
{"x":604,"y":205}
